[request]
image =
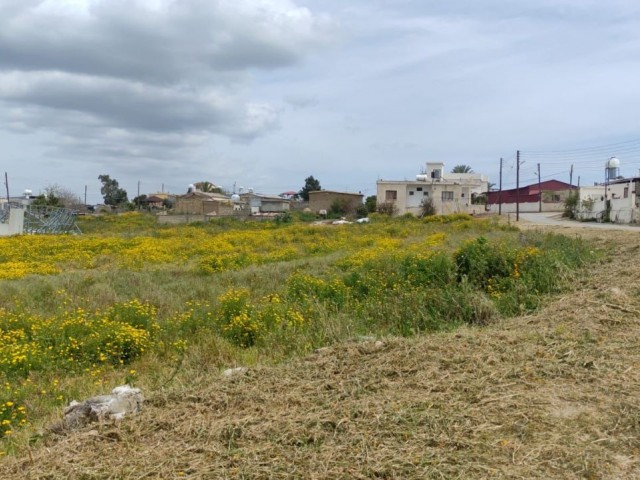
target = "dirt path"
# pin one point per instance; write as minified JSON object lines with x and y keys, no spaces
{"x":550,"y":395}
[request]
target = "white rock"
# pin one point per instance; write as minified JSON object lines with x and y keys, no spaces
{"x":235,"y":372}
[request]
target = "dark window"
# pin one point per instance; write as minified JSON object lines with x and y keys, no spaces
{"x":390,"y":195}
{"x":410,"y":192}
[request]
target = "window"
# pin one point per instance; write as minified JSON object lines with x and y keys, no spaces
{"x":411,"y":192}
{"x":626,"y":192}
{"x":555,"y":198}
{"x":419,"y":189}
{"x":447,"y":196}
{"x":462,"y":195}
{"x":390,"y":195}
{"x":426,"y":194}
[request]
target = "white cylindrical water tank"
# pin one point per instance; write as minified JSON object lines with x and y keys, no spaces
{"x":612,"y":166}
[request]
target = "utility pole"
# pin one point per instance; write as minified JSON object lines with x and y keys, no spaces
{"x":6,"y":184}
{"x":578,"y":181}
{"x":85,"y":195}
{"x":138,"y":194}
{"x":571,"y":176}
{"x":500,"y":190}
{"x":539,"y":192}
{"x":163,"y":188}
{"x":517,"y":185}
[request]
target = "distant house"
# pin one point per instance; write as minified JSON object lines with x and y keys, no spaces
{"x":621,"y":196}
{"x":259,"y":203}
{"x":447,"y":192}
{"x":203,"y":203}
{"x":290,"y":195}
{"x":548,"y":196}
{"x":322,"y":200}
{"x":155,"y":201}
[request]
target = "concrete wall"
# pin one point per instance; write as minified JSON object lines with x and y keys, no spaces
{"x":274,"y":206}
{"x":226,"y":212}
{"x":322,"y":200}
{"x":15,"y":223}
{"x":528,"y":207}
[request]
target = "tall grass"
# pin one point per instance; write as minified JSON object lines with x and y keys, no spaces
{"x":292,"y":288}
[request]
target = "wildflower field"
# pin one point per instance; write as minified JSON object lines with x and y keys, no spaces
{"x":132,"y":301}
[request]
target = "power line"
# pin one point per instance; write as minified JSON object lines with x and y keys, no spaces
{"x":620,"y":145}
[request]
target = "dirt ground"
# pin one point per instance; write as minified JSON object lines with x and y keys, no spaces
{"x":549,"y":395}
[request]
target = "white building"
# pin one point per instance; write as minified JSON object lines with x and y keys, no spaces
{"x":617,"y":200}
{"x":622,"y":196}
{"x":448,"y":192}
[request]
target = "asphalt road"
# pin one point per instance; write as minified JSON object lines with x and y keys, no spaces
{"x":555,"y":218}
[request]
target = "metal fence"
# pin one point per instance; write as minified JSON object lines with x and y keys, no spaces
{"x":42,"y":220}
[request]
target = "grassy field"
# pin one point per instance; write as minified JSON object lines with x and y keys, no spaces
{"x":157,"y":306}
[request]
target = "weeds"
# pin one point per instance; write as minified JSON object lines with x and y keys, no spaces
{"x":273,"y":289}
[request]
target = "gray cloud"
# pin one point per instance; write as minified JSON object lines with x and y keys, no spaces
{"x":119,"y":77}
{"x":179,"y":89}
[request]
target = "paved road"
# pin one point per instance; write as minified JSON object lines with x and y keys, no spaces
{"x":555,"y":218}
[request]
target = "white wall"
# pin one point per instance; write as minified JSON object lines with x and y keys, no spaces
{"x":15,"y":224}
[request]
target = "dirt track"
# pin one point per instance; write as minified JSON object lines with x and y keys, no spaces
{"x":550,"y":395}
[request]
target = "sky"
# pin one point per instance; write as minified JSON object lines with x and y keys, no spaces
{"x":263,"y":93}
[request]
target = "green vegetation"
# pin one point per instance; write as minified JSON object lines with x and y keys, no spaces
{"x":133,"y":301}
{"x":310,"y":185}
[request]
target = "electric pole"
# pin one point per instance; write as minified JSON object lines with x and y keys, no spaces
{"x":571,"y":176}
{"x":539,"y":192}
{"x":500,"y":190}
{"x":6,"y":184}
{"x":138,"y":195}
{"x":517,"y":185}
{"x":85,"y":195}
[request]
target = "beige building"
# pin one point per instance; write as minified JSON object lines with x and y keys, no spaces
{"x":322,"y":200}
{"x":203,"y":203}
{"x":448,"y":192}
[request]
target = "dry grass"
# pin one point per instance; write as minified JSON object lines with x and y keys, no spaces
{"x":550,"y":395}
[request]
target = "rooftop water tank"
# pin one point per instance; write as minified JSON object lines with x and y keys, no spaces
{"x":612,"y":167}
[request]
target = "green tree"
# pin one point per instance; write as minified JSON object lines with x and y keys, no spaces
{"x":111,"y":191}
{"x":139,"y":201}
{"x":310,"y":185}
{"x":370,"y":202}
{"x":571,"y":205}
{"x":46,"y":200}
{"x":462,"y":169}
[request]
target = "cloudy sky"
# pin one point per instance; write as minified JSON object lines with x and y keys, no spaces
{"x":264,"y":93}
